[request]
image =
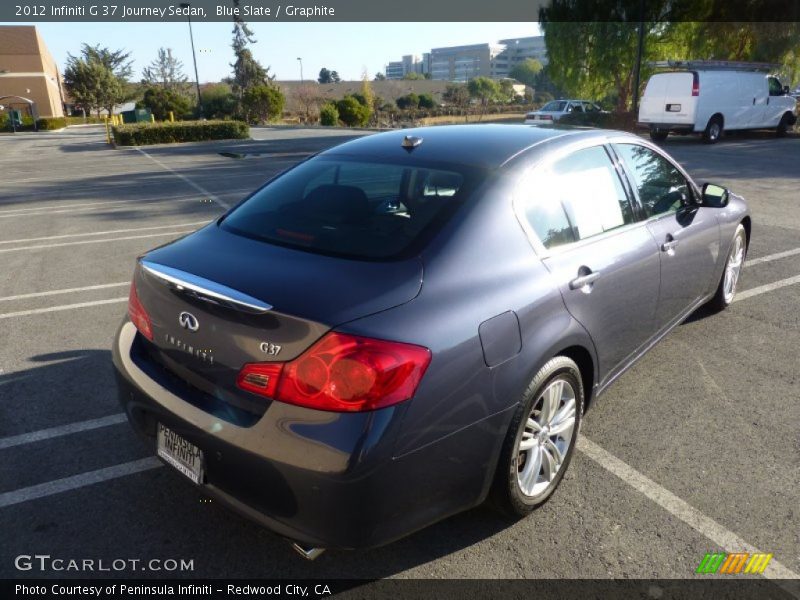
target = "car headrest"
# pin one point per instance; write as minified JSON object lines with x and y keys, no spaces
{"x":340,"y":203}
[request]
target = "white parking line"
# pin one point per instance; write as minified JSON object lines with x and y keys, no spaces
{"x":770,"y":257}
{"x":87,"y":288}
{"x":762,"y":289}
{"x":679,"y":508}
{"x":183,"y":177}
{"x":39,"y":311}
{"x":78,"y":481}
{"x":71,"y":235}
{"x":116,"y":239}
{"x":53,"y":432}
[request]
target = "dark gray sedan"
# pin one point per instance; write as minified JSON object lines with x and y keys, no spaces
{"x":410,"y":323}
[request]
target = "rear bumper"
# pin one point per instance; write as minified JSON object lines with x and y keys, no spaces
{"x":671,"y":127}
{"x":323,"y":479}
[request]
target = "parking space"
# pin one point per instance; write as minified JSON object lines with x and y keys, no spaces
{"x":694,"y":450}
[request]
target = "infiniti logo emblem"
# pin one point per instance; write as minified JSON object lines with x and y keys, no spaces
{"x":188,"y":321}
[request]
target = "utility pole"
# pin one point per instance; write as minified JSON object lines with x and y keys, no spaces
{"x":200,"y":112}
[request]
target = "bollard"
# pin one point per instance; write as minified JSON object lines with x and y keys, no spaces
{"x":108,"y":130}
{"x":171,"y":117}
{"x":152,"y":118}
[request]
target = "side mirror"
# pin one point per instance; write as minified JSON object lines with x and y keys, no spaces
{"x":786,"y":90}
{"x":714,"y":196}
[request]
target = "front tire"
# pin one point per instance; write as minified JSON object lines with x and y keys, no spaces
{"x":726,"y":290}
{"x":783,"y":127}
{"x":541,"y":439}
{"x":713,"y":130}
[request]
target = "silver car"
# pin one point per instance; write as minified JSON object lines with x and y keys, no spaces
{"x":554,"y":110}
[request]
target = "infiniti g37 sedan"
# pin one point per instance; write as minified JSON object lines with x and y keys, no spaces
{"x":408,"y":324}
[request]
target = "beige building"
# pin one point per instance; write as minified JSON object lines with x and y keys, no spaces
{"x":28,"y":72}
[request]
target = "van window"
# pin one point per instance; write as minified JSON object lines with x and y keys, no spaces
{"x":775,"y":87}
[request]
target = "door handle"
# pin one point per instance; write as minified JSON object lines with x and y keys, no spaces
{"x":669,"y":245}
{"x":583,"y":280}
{"x":754,"y":101}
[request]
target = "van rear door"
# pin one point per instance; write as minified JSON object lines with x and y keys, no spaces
{"x":668,"y":99}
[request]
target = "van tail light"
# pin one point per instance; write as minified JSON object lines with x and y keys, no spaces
{"x":342,"y":373}
{"x":695,"y":84}
{"x":138,"y":314}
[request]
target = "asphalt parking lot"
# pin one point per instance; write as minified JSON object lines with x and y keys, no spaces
{"x":695,"y":450}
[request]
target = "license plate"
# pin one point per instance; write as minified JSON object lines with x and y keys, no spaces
{"x":180,"y":453}
{"x":673,"y":108}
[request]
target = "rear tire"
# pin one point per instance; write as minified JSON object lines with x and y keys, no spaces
{"x":783,"y":126}
{"x":713,"y":130}
{"x":658,"y":135}
{"x":533,"y":459}
{"x":726,"y":290}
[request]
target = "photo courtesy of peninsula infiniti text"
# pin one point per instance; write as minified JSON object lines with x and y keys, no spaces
{"x":412,"y":323}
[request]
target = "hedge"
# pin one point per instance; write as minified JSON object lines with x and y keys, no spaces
{"x":46,"y":123}
{"x":142,"y":134}
{"x":605,"y":120}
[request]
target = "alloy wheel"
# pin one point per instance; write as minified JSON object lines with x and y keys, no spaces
{"x":732,"y":268}
{"x":546,"y":438}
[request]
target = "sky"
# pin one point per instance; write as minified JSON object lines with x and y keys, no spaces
{"x":348,"y":48}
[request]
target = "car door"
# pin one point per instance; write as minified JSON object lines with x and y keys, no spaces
{"x":603,"y":261}
{"x":686,"y":234}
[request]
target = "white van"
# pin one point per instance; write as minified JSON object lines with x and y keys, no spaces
{"x":713,"y":96}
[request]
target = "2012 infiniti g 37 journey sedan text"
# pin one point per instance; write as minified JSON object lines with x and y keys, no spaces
{"x":404,"y":325}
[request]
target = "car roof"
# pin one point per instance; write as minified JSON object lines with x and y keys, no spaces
{"x":481,"y":145}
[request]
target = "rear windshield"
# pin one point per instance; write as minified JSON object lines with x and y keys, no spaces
{"x":351,"y":208}
{"x":554,"y":106}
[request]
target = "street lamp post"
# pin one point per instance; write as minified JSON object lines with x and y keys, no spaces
{"x":194,"y":59}
{"x":299,"y":58}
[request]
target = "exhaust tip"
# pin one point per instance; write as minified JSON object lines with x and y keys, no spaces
{"x":307,"y":553}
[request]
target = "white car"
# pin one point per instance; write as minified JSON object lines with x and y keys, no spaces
{"x":555,"y":109}
{"x":710,"y":97}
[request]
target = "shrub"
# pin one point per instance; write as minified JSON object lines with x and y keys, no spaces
{"x":218,"y":101}
{"x":48,"y":123}
{"x":408,"y":101}
{"x":141,"y":134}
{"x":352,"y":113}
{"x":329,"y":115}
{"x":426,"y":101}
{"x":4,"y":121}
{"x":161,"y":102}
{"x":263,"y":103}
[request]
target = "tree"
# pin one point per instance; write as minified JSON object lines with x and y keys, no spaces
{"x":162,"y":101}
{"x":456,"y":94}
{"x":413,"y":76}
{"x":263,"y":103}
{"x":484,"y":90}
{"x":307,"y":95}
{"x":380,"y":77}
{"x":92,"y":81}
{"x":329,"y":115}
{"x":366,"y":92}
{"x":247,"y":71}
{"x":219,"y":101}
{"x":165,"y":71}
{"x":352,"y":112}
{"x":527,"y":72}
{"x":326,"y":76}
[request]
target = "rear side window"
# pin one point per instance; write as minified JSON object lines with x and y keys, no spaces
{"x":578,"y":197}
{"x":556,"y":106}
{"x":351,"y":208}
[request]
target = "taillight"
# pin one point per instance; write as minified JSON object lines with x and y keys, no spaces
{"x":342,"y":373}
{"x":695,"y":84}
{"x":138,"y":314}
